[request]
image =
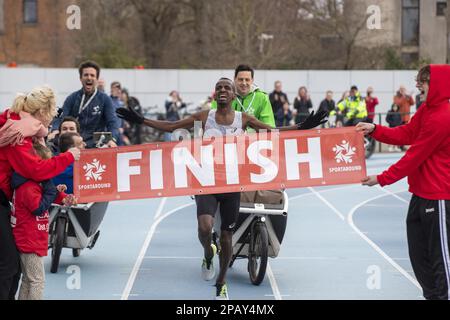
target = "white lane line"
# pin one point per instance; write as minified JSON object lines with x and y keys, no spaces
{"x":373,"y":245}
{"x":160,"y":207}
{"x":392,"y":194}
{"x":320,"y":191}
{"x":335,"y":210}
{"x":137,"y":265}
{"x":273,"y":283}
{"x":172,"y":257}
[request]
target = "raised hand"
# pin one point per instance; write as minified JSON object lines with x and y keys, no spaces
{"x":366,"y":128}
{"x":313,"y":120}
{"x":130,"y":115}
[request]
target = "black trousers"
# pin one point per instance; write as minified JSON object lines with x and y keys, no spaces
{"x":428,"y":225}
{"x":9,"y":257}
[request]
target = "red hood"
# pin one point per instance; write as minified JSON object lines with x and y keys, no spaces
{"x":3,"y":117}
{"x":439,"y":92}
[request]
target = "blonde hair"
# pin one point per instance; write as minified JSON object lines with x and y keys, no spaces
{"x":42,"y":151}
{"x":40,"y":102}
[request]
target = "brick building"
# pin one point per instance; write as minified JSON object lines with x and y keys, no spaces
{"x":417,"y":28}
{"x":34,"y":33}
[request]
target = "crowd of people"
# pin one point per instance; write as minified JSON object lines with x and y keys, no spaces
{"x":38,"y":148}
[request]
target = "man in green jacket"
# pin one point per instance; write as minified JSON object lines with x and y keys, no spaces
{"x":249,"y":98}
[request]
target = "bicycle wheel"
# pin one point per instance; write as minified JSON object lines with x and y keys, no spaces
{"x":58,"y":242}
{"x":258,"y":253}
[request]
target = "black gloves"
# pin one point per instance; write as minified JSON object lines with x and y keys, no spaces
{"x":313,"y":120}
{"x":130,"y":115}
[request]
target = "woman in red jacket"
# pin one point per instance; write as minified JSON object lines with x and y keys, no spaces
{"x":427,"y":166}
{"x":28,"y":119}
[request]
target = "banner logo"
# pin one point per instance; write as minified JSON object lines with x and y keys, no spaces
{"x":94,"y":170}
{"x":344,"y":152}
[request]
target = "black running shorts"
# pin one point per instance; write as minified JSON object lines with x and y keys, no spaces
{"x":229,"y":207}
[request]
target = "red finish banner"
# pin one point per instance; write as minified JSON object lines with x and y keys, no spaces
{"x":256,"y":161}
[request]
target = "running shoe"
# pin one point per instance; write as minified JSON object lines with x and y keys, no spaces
{"x":208,"y":271}
{"x":221,"y":292}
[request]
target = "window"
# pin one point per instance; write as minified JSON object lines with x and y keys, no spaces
{"x":2,"y":21}
{"x":30,"y":11}
{"x":441,"y":5}
{"x":410,"y":22}
{"x":410,"y":57}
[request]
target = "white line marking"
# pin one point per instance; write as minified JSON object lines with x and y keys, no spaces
{"x":373,"y":245}
{"x":171,"y":257}
{"x":392,"y":194}
{"x":273,"y":283}
{"x":318,"y":195}
{"x":320,"y":191}
{"x":160,"y":207}
{"x":137,"y":265}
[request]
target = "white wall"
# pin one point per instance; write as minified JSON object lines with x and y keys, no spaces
{"x":151,"y":87}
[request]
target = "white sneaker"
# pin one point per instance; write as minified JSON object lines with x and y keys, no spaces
{"x":208,"y":271}
{"x":222,"y":292}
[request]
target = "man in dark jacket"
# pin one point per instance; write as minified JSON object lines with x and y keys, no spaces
{"x":427,"y":166}
{"x":278,"y":98}
{"x":93,"y":109}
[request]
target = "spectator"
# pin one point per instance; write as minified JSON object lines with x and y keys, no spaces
{"x":206,"y":105}
{"x":394,"y":119}
{"x":278,"y":97}
{"x":302,"y":104}
{"x":173,"y":104}
{"x":339,"y":110}
{"x":68,"y":124}
{"x":284,"y":116}
{"x":249,"y":97}
{"x":427,"y":167}
{"x":101,"y":85}
{"x":404,"y":101}
{"x":371,"y":103}
{"x":29,"y":220}
{"x":116,"y":97}
{"x":328,"y":103}
{"x":116,"y":94}
{"x":68,"y":140}
{"x":27,"y":120}
{"x":93,"y":109}
{"x":418,"y":101}
{"x":132,"y":131}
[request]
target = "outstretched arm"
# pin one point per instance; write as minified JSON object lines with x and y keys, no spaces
{"x":311,"y":122}
{"x":170,"y":126}
{"x":132,"y":116}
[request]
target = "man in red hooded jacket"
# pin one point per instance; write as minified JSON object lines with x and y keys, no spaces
{"x":427,"y":166}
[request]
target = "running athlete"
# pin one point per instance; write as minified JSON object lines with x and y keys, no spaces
{"x":427,"y":166}
{"x":222,"y":121}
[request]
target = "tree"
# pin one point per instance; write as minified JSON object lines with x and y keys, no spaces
{"x":158,"y":20}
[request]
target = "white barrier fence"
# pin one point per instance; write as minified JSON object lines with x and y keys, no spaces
{"x":152,"y":87}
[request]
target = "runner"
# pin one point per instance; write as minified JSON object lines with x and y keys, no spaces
{"x":222,"y":121}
